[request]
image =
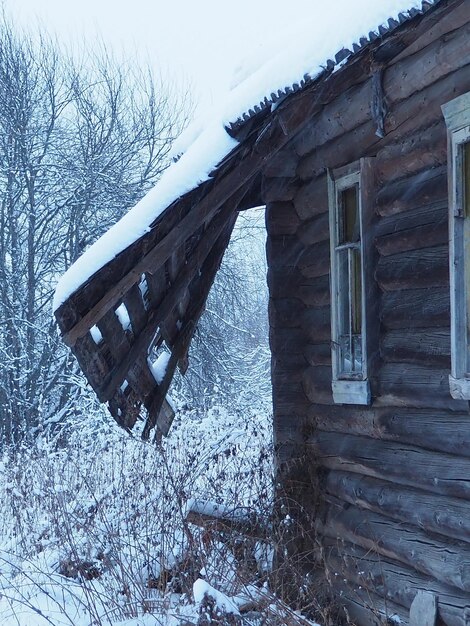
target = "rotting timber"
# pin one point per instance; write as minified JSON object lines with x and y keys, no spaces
{"x":388,"y":484}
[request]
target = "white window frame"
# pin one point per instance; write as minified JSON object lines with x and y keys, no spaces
{"x":457,"y":116}
{"x":354,"y":388}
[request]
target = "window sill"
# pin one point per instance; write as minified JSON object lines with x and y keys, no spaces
{"x":351,"y":391}
{"x":459,"y":388}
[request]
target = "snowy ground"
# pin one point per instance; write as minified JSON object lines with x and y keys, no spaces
{"x":93,"y":533}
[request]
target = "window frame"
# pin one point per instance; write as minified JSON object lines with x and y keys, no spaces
{"x":457,"y":118}
{"x":352,"y":389}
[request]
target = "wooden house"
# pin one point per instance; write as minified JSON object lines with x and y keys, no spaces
{"x":365,"y":173}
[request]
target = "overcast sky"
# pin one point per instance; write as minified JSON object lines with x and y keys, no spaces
{"x":196,"y":40}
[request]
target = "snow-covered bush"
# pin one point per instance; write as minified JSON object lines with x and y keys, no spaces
{"x":95,"y":531}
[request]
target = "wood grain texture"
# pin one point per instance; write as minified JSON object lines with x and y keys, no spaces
{"x":400,"y":463}
{"x":446,"y":561}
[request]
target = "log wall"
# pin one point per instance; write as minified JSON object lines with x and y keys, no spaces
{"x":393,"y":501}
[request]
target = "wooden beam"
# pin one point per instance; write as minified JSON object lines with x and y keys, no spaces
{"x":118,"y":374}
{"x":230,"y":189}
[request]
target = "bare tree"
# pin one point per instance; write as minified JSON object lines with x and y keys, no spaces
{"x":79,"y":145}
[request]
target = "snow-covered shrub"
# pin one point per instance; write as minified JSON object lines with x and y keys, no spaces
{"x":95,"y":531}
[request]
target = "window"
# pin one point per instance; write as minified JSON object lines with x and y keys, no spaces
{"x":457,"y":116}
{"x":348,"y":312}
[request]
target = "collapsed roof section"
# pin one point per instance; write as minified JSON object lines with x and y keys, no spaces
{"x":130,"y":319}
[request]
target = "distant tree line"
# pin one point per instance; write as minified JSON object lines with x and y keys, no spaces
{"x":80,"y":143}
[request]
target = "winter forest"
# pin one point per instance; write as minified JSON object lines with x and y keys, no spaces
{"x":93,"y":521}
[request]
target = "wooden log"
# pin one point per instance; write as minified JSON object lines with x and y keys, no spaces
{"x":429,"y":346}
{"x":424,"y":150}
{"x":311,"y":198}
{"x":457,"y":17}
{"x":453,"y":52}
{"x":278,"y":189}
{"x":421,"y":308}
{"x":285,"y":312}
{"x":316,"y":323}
{"x":315,"y":260}
{"x":403,"y":464}
{"x":315,"y":230}
{"x":281,"y":219}
{"x":282,"y":165}
{"x":288,"y":340}
{"x":392,"y":580}
{"x":284,"y":361}
{"x":314,"y":292}
{"x":364,"y":607}
{"x":425,"y":187}
{"x":428,"y":65}
{"x":317,"y":354}
{"x":415,"y":386}
{"x":436,"y":215}
{"x":425,"y":236}
{"x":285,"y":251}
{"x":418,"y":112}
{"x":288,"y":398}
{"x":442,"y":431}
{"x":449,"y":517}
{"x":223,"y":518}
{"x":415,"y":269}
{"x":316,"y":382}
{"x":446,"y":561}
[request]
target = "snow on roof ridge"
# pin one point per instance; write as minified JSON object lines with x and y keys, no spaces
{"x":330,"y":64}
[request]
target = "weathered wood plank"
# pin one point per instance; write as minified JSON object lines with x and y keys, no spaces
{"x":446,"y":561}
{"x":311,"y":198}
{"x":420,"y":111}
{"x":442,"y":431}
{"x":282,"y":165}
{"x":393,"y":580}
{"x":414,"y":269}
{"x":437,"y":28}
{"x":449,"y":517}
{"x":230,"y":190}
{"x":424,"y":236}
{"x":423,"y":150}
{"x":425,"y":187}
{"x":315,"y":260}
{"x":394,"y":462}
{"x":429,"y":215}
{"x":279,"y":189}
{"x":285,"y":312}
{"x":137,"y":311}
{"x":314,"y":230}
{"x":414,"y":386}
{"x":316,"y":382}
{"x":420,"y":308}
{"x":429,"y":346}
{"x":281,"y":219}
{"x":177,"y":289}
{"x":428,"y":65}
{"x":313,"y":292}
{"x":453,"y":53}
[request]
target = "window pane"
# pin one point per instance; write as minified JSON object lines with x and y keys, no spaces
{"x":349,"y":311}
{"x":349,"y":231}
{"x":356,"y":292}
{"x":466,"y":178}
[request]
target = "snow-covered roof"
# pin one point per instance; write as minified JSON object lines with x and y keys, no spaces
{"x":331,"y":37}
